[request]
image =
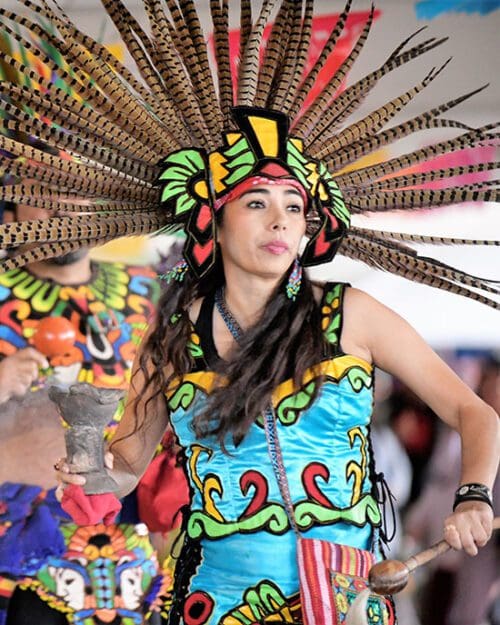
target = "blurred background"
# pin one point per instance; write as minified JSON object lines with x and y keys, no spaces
{"x":419,"y":460}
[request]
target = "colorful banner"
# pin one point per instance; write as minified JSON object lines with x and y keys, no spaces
{"x":429,"y":9}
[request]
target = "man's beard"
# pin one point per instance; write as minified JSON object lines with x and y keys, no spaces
{"x":67,"y":259}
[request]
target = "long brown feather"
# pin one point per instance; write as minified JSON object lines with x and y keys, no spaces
{"x":95,"y":49}
{"x":249,"y":69}
{"x":412,"y":199}
{"x":347,"y":102}
{"x":316,"y":109}
{"x":245,"y":30}
{"x":220,"y":18}
{"x":200,"y":71}
{"x":373,"y":172}
{"x":417,"y":270}
{"x":83,"y":226}
{"x":105,"y":135}
{"x":374,"y":121}
{"x":293,"y":54}
{"x":368,"y":144}
{"x":76,"y":145}
{"x":175,"y":76}
{"x":275,"y":47}
{"x":310,"y":79}
{"x":416,"y":180}
{"x":419,"y":238}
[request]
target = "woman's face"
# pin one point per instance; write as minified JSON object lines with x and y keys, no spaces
{"x":261,"y":230}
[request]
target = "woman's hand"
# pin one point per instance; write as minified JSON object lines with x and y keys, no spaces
{"x":469,"y":527}
{"x":65,"y":473}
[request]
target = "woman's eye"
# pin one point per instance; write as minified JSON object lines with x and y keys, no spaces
{"x":256,"y":204}
{"x":295,"y":208}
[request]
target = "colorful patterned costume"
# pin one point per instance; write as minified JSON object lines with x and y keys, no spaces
{"x":110,"y":313}
{"x":237,"y":517}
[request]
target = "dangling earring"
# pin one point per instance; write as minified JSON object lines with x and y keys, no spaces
{"x":177,"y":272}
{"x":294,"y":280}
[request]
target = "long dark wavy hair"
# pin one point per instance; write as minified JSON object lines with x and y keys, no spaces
{"x":282,"y":344}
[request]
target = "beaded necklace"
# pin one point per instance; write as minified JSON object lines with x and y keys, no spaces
{"x":232,"y":325}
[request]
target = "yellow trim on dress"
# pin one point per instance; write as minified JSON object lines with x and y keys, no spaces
{"x":334,"y":368}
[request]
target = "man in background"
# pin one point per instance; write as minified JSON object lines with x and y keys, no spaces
{"x":107,"y":306}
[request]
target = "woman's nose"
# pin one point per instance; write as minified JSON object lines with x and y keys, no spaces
{"x":278,"y":220}
{"x":278,"y":225}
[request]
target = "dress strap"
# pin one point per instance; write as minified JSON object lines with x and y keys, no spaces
{"x":204,"y":329}
{"x":332,"y":308}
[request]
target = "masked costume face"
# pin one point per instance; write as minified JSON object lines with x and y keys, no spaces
{"x":106,"y":574}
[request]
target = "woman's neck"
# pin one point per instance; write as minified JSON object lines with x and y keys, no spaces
{"x":247,"y":296}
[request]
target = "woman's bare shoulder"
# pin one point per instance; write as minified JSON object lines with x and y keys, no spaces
{"x":194,"y":309}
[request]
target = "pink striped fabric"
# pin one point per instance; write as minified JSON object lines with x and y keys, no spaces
{"x":317,"y":559}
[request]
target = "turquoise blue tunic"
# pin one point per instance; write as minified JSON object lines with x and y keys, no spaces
{"x":237,"y":565}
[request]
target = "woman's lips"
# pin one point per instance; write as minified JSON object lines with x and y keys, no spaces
{"x":276,"y":247}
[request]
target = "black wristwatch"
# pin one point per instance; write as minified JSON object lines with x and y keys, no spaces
{"x":473,"y":492}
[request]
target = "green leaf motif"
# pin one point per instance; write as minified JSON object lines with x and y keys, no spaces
{"x":333,"y":294}
{"x":365,"y":511}
{"x":238,"y":174}
{"x":290,"y":407}
{"x":183,"y":396}
{"x":237,"y":148}
{"x":296,"y":160}
{"x":179,"y":169}
{"x":331,"y":332}
{"x":359,"y":379}
{"x":339,"y":207}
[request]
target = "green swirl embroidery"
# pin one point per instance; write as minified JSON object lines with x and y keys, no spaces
{"x":290,"y":407}
{"x":273,"y":517}
{"x":183,"y":396}
{"x":194,"y":350}
{"x":365,"y":510}
{"x":359,"y":378}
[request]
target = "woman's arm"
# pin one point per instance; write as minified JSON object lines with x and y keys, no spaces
{"x":132,"y":448}
{"x":379,"y":335}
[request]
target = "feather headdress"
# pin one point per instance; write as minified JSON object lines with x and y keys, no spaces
{"x":124,"y":153}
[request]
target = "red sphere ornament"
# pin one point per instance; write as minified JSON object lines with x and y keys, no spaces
{"x":55,"y":336}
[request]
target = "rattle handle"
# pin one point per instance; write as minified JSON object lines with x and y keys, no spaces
{"x":436,"y":550}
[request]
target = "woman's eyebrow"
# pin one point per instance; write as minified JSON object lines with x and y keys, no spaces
{"x":262,"y":190}
{"x":256,"y":190}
